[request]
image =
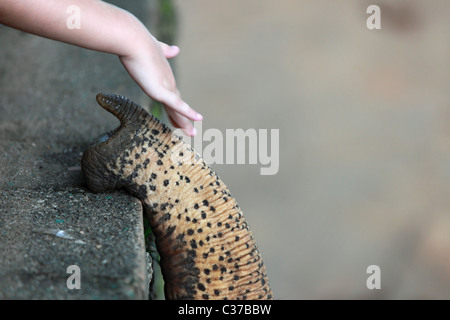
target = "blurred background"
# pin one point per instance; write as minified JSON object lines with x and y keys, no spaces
{"x":364,"y":120}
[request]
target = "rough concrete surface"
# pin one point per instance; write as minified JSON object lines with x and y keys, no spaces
{"x":49,"y":220}
{"x":43,"y":232}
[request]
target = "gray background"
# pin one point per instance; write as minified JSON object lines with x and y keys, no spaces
{"x":364,"y":136}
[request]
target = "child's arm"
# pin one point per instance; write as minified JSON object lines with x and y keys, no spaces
{"x":107,"y":28}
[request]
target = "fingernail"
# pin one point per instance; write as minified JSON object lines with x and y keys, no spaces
{"x":198,"y":116}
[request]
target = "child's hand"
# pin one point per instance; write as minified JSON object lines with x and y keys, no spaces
{"x":107,"y":28}
{"x":148,"y":66}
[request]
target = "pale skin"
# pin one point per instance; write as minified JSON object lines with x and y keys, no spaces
{"x":107,"y":28}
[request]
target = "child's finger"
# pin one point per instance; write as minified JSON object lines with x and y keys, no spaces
{"x":169,"y":51}
{"x":174,"y":102}
{"x":181,"y":122}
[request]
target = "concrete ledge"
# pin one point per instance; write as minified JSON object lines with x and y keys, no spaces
{"x":48,"y":219}
{"x":44,"y":232}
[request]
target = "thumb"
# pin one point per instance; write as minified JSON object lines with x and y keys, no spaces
{"x":169,"y":51}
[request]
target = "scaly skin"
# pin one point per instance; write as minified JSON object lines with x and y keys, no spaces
{"x":206,"y":248}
